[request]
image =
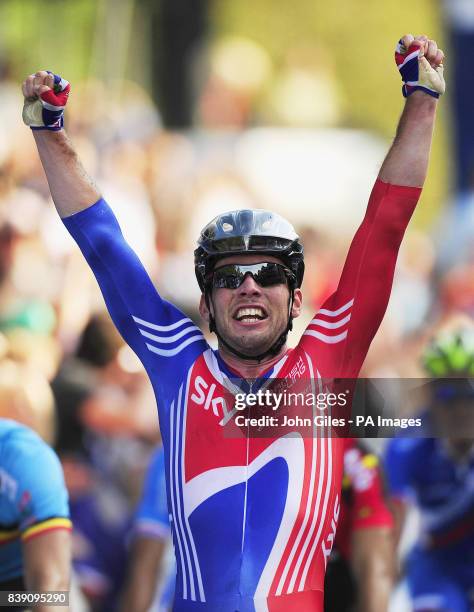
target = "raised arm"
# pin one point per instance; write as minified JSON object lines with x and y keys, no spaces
{"x":71,"y":188}
{"x":346,"y":324}
{"x":154,"y":328}
{"x":421,"y":62}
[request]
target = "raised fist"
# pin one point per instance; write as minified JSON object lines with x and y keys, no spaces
{"x":420,"y":63}
{"x":46,"y":95}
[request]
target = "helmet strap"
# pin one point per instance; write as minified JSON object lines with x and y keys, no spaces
{"x":271,"y":352}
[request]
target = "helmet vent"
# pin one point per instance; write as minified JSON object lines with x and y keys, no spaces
{"x":248,"y":231}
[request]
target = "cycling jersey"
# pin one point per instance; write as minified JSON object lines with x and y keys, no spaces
{"x":363,"y":504}
{"x":33,"y":497}
{"x":421,"y":471}
{"x":362,"y":507}
{"x":152,"y":521}
{"x":101,"y":527}
{"x":440,"y":568}
{"x":151,"y":517}
{"x":253,"y":519}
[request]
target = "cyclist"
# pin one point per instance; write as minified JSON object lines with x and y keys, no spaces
{"x":252,"y":519}
{"x":150,"y":573}
{"x":435,"y":473}
{"x":360,"y":570}
{"x":35,"y":547}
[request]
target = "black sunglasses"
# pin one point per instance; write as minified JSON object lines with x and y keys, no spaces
{"x":265,"y":274}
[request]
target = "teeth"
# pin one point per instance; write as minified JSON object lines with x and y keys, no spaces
{"x":250,"y":314}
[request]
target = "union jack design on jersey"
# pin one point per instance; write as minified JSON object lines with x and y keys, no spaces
{"x":253,"y":519}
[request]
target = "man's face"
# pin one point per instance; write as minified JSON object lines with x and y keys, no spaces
{"x":251,"y":318}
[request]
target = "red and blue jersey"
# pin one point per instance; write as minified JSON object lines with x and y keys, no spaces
{"x":253,"y":518}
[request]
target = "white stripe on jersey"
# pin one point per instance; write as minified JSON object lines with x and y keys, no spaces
{"x":292,"y":450}
{"x":169,"y":339}
{"x":162,"y":328}
{"x":328,"y":483}
{"x":324,"y":337}
{"x":322,"y":482}
{"x":182,"y":483}
{"x":336,"y":313}
{"x":175,"y":351}
{"x":182,"y":528}
{"x":176,"y":522}
{"x":316,"y":448}
{"x":329,"y":324}
{"x":177,"y":489}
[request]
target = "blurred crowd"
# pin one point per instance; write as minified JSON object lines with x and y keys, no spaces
{"x":66,"y":372}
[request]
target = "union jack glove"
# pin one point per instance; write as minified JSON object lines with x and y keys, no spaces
{"x":46,"y":95}
{"x":420,"y":63}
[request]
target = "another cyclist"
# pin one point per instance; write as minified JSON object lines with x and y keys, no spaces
{"x":35,"y":540}
{"x":360,"y":571}
{"x":435,"y":473}
{"x":151,"y":575}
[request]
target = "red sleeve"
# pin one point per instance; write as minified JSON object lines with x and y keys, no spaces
{"x":340,"y":334}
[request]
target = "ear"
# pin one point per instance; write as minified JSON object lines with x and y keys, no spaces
{"x":203,"y":309}
{"x":297,"y":303}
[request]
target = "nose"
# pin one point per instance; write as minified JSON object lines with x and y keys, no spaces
{"x":249,"y":286}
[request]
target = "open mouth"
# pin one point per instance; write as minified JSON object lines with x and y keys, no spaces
{"x":250,"y":314}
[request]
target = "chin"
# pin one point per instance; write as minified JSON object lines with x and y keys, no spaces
{"x":253,"y":348}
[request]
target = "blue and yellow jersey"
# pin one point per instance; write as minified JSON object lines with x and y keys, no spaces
{"x":33,"y":496}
